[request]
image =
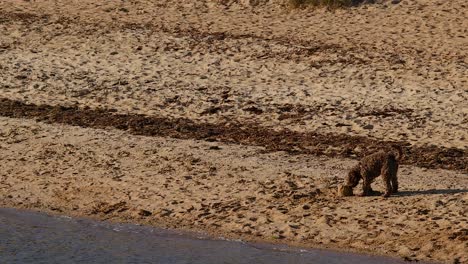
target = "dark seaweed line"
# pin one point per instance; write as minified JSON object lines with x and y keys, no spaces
{"x":333,"y":145}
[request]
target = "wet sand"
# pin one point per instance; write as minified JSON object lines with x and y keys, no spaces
{"x":239,"y":120}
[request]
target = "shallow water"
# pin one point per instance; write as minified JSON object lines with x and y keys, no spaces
{"x":31,"y":237}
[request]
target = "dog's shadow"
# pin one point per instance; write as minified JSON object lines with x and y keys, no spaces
{"x":431,"y":191}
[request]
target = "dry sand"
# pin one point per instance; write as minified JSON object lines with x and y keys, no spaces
{"x":397,"y":73}
{"x":390,"y":72}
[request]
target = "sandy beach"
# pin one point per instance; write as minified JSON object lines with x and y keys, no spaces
{"x":240,"y":118}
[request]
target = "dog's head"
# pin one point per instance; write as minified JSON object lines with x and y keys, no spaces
{"x":354,"y":175}
{"x":345,"y":190}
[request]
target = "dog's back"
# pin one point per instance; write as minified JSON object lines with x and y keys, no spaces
{"x":373,"y":164}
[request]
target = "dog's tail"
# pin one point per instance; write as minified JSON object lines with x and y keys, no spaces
{"x":397,"y":151}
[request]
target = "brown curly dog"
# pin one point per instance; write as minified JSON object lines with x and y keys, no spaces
{"x":382,"y":163}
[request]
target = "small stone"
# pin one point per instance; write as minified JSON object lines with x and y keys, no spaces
{"x":143,"y":212}
{"x":294,"y":225}
{"x":215,"y":148}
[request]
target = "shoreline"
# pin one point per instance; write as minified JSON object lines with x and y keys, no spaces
{"x":203,"y":236}
{"x":210,"y":235}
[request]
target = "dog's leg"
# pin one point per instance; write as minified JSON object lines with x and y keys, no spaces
{"x":366,"y":185}
{"x":394,"y":184}
{"x":395,"y":178}
{"x":387,"y":180}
